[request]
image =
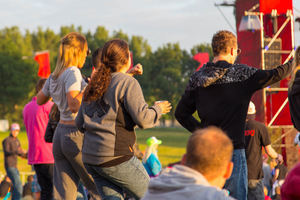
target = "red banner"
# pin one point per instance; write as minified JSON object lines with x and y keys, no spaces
{"x":202,"y":58}
{"x":43,"y":59}
{"x":266,"y":6}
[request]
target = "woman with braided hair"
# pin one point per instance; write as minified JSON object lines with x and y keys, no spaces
{"x":113,"y":104}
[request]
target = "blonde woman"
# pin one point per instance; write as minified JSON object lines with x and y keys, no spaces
{"x":66,"y":86}
{"x":150,"y":160}
{"x":294,"y":91}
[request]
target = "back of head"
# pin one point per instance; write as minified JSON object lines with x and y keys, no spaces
{"x":114,"y":56}
{"x":39,"y":84}
{"x":222,"y":42}
{"x":209,"y":151}
{"x":96,"y":58}
{"x":30,"y":178}
{"x":71,"y":47}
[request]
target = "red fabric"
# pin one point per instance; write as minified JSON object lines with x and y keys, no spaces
{"x":267,"y":198}
{"x":290,"y":188}
{"x":131,"y":60}
{"x":44,"y":64}
{"x":250,"y":43}
{"x":281,"y":6}
{"x":201,"y":58}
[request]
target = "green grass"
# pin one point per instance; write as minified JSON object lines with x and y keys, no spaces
{"x":173,"y":142}
{"x":171,"y":150}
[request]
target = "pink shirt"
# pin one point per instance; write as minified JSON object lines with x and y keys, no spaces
{"x":36,"y":118}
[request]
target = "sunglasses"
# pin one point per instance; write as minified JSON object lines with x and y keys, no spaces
{"x":239,"y":51}
{"x":88,"y":52}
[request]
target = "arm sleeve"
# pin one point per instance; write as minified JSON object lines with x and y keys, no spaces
{"x":184,"y":111}
{"x":143,"y":115}
{"x":46,"y":87}
{"x":264,"y":78}
{"x":265,"y":136}
{"x":74,"y":81}
{"x":6,"y":149}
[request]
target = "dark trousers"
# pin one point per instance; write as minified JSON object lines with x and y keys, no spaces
{"x":44,"y":174}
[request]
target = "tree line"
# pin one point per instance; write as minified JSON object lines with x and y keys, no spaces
{"x":166,"y":69}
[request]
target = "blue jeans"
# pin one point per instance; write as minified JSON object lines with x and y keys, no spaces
{"x":255,"y":190}
{"x":111,"y":182}
{"x":237,"y":184}
{"x":14,"y":175}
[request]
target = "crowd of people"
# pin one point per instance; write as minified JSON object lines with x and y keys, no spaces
{"x":81,"y":131}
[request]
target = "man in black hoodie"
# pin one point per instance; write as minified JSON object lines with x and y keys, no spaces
{"x":221,"y":91}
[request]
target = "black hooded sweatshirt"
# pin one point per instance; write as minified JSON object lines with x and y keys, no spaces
{"x":221,"y":92}
{"x":294,"y":101}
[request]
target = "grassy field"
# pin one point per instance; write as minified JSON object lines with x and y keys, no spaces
{"x":171,"y":149}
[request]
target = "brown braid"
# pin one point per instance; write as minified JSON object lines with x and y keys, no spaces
{"x":114,"y":56}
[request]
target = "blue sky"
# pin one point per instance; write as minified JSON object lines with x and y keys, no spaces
{"x":188,"y":22}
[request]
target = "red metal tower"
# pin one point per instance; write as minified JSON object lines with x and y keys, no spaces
{"x":267,"y":48}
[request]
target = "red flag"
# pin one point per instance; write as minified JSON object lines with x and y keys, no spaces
{"x":266,"y":6}
{"x":42,"y":57}
{"x":131,"y":60}
{"x":201,"y":58}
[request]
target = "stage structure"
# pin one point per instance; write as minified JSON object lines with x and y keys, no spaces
{"x":265,"y":33}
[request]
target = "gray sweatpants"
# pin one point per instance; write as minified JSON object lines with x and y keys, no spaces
{"x":68,"y":166}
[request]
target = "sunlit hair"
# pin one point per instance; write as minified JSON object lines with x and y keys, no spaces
{"x":209,"y":151}
{"x":96,"y":58}
{"x":296,"y":66}
{"x":39,"y":84}
{"x":222,"y":42}
{"x":114,"y":56}
{"x":71,"y":48}
{"x":149,"y":150}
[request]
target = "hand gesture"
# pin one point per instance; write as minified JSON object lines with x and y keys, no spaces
{"x":165,"y":106}
{"x":136,"y":70}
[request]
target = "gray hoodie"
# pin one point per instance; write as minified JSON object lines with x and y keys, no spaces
{"x":182,"y":182}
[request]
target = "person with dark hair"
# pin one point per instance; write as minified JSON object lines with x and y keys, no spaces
{"x":204,"y":170}
{"x":256,"y":137}
{"x":96,"y":56}
{"x":280,"y":174}
{"x":5,"y":185}
{"x":27,"y":192}
{"x":35,"y":118}
{"x":220,"y":92}
{"x":12,"y":149}
{"x":66,"y":86}
{"x":113,"y":104}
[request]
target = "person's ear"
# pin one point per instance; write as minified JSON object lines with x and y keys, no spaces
{"x":183,"y":160}
{"x":231,"y":51}
{"x":228,"y":171}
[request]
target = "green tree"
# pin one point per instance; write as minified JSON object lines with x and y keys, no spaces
{"x":119,"y":34}
{"x":166,"y":75}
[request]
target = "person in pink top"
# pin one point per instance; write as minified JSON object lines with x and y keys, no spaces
{"x":40,"y":155}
